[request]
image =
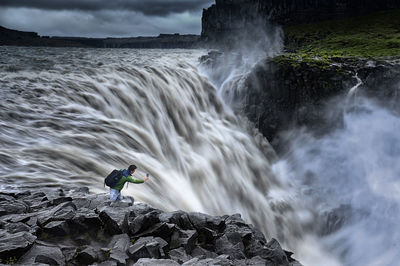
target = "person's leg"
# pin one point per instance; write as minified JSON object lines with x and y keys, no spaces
{"x":114,"y":195}
{"x":119,"y":198}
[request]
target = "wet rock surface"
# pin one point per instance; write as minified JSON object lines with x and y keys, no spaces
{"x":73,"y":227}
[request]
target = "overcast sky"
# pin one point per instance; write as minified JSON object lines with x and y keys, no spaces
{"x":103,"y":18}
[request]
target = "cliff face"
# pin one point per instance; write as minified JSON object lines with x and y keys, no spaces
{"x":286,"y":93}
{"x":230,"y":16}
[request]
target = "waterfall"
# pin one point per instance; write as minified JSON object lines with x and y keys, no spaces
{"x":70,"y":116}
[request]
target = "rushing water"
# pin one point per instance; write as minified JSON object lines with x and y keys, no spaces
{"x":70,"y":116}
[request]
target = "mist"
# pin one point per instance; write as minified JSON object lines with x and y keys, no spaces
{"x":350,"y":176}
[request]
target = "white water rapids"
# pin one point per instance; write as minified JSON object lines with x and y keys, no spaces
{"x":70,"y":116}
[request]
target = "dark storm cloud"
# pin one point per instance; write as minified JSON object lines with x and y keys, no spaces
{"x":148,"y":7}
{"x":103,"y":18}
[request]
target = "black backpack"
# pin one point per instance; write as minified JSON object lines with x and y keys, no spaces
{"x":113,"y":178}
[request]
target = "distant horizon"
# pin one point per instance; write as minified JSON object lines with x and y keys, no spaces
{"x":103,"y":19}
{"x":106,"y":37}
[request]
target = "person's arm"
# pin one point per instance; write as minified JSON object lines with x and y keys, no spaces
{"x":134,"y":180}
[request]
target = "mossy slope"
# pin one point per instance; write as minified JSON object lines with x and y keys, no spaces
{"x":370,"y":36}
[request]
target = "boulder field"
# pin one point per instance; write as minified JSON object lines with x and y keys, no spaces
{"x":70,"y":226}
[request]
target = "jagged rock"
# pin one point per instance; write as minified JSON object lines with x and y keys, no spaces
{"x":163,"y":230}
{"x":87,"y":256}
{"x":15,"y":244}
{"x":141,"y":209}
{"x":234,"y":250}
{"x":148,"y":247}
{"x":202,"y":253}
{"x":85,"y":220}
{"x":98,"y":200}
{"x":68,"y":252}
{"x":155,"y":262}
{"x":237,"y":231}
{"x":206,"y":238}
{"x":253,"y":261}
{"x":41,"y":205}
{"x":140,"y":220}
{"x":274,"y":253}
{"x":200,"y":220}
{"x":57,"y":228}
{"x":253,"y":248}
{"x":155,"y":235}
{"x":64,"y":211}
{"x":179,"y":255}
{"x":16,"y":227}
{"x":82,"y":202}
{"x":60,"y":200}
{"x":115,"y":219}
{"x":67,"y":212}
{"x":180,"y":218}
{"x":119,"y":245}
{"x":12,"y":207}
{"x":17,"y":218}
{"x":48,"y":255}
{"x":185,"y":239}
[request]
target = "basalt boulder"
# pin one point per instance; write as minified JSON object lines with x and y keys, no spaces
{"x":79,"y":231}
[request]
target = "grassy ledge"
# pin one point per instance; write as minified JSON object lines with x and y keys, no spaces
{"x":371,"y":36}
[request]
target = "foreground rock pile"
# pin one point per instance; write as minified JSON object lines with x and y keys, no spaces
{"x":73,"y":227}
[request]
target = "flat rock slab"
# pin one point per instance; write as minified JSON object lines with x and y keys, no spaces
{"x":48,"y":255}
{"x":119,"y":245}
{"x":57,"y":228}
{"x":15,"y":244}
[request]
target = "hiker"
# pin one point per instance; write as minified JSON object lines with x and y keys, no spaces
{"x":115,"y":191}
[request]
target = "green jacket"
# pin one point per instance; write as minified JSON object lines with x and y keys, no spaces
{"x":125,"y":179}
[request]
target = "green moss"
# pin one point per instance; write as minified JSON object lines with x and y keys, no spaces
{"x":370,"y":36}
{"x":298,"y":59}
{"x":11,"y":260}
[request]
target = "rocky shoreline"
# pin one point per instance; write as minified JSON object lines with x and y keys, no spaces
{"x":70,"y":226}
